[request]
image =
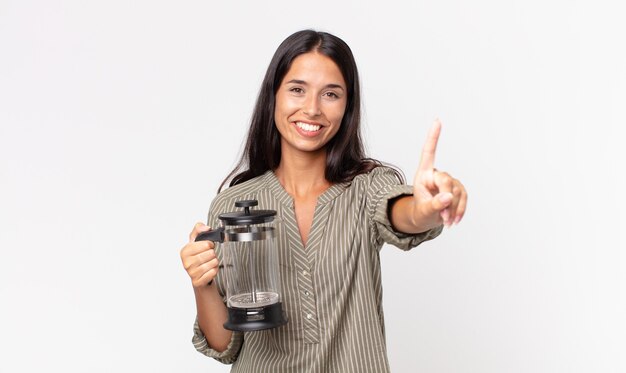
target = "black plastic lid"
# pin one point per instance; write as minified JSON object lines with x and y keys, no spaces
{"x":247,"y":216}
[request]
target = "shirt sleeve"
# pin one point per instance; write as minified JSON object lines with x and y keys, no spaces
{"x":228,"y":356}
{"x":384,"y":187}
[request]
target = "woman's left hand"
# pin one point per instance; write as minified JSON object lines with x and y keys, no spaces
{"x":437,"y":197}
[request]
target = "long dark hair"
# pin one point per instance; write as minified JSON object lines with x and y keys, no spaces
{"x":345,"y":153}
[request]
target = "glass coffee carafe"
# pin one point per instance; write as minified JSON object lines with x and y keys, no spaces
{"x":250,"y":265}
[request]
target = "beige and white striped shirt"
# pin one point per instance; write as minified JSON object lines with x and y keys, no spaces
{"x":331,"y":288}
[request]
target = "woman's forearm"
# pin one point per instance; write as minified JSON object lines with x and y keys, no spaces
{"x":402,"y":216}
{"x":212,"y":315}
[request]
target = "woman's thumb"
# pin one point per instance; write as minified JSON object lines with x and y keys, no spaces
{"x":441,"y":201}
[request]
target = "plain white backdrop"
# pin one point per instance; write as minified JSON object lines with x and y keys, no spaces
{"x":119,"y":119}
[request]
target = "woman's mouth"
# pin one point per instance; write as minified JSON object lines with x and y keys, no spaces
{"x":308,"y":127}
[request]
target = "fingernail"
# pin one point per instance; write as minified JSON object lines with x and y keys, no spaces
{"x":445,"y":215}
{"x":457,"y":219}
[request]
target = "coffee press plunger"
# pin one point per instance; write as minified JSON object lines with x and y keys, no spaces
{"x":250,"y":265}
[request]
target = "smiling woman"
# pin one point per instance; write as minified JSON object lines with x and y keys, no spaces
{"x":345,"y":155}
{"x":310,"y":103}
{"x":304,"y":159}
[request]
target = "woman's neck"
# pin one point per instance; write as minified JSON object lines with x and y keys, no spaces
{"x":303,"y":174}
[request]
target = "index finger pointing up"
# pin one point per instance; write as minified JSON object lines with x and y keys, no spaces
{"x":427,"y":162}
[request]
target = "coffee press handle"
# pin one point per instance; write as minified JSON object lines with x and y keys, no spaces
{"x":215,"y":235}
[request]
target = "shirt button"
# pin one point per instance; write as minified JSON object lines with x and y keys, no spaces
{"x":305,"y":273}
{"x":309,"y":316}
{"x":306,"y":293}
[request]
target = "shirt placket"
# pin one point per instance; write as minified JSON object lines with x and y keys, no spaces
{"x":304,"y":262}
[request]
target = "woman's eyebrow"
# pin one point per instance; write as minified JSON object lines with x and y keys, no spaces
{"x":333,"y":85}
{"x":296,"y":81}
{"x":302,"y":82}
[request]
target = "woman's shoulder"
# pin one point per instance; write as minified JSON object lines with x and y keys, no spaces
{"x":379,"y":175}
{"x":225,"y":200}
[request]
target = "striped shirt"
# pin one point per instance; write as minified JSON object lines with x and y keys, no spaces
{"x":331,"y":288}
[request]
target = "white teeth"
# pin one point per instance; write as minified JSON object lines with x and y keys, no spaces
{"x":308,"y":127}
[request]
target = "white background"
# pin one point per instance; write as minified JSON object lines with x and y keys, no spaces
{"x":119,"y":119}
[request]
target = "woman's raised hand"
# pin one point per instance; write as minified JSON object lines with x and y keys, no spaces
{"x":199,"y":258}
{"x":438,"y":197}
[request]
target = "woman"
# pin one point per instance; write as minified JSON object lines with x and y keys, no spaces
{"x":304,"y":158}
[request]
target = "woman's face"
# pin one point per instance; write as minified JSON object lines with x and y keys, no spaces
{"x":310,"y":103}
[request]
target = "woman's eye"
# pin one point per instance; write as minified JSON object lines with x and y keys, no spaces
{"x":296,"y":90}
{"x":331,"y":95}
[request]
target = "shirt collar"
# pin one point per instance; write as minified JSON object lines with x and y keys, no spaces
{"x":285,"y":198}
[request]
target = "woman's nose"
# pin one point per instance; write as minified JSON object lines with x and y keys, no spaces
{"x":312,"y":106}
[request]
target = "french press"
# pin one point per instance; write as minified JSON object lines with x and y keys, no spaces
{"x":250,"y":265}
